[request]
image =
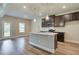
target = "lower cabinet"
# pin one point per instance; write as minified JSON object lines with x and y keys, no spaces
{"x":60,"y":36}
{"x":55,"y":42}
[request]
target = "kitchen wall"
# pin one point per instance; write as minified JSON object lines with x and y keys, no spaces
{"x":36,"y":26}
{"x":71,"y":30}
{"x":14,"y":21}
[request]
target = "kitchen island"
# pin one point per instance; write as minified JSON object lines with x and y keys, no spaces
{"x":46,"y":41}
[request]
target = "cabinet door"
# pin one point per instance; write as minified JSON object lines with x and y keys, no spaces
{"x":67,"y":17}
{"x":44,"y":23}
{"x":51,"y":20}
{"x":48,"y":23}
{"x":60,"y":36}
{"x":59,"y":21}
{"x":75,"y":16}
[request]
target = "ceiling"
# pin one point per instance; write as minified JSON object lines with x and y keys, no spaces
{"x":38,"y":10}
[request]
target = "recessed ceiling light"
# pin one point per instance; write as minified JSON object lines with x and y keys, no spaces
{"x":34,"y":20}
{"x":24,"y":7}
{"x":64,"y":7}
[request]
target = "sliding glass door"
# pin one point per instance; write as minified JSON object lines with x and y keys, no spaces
{"x":6,"y":31}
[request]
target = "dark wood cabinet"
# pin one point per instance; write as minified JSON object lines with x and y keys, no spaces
{"x":44,"y":23}
{"x":72,"y":16}
{"x":75,"y":16}
{"x":55,"y":44}
{"x":59,"y":21}
{"x":60,"y":36}
{"x":48,"y":23}
{"x":67,"y":17}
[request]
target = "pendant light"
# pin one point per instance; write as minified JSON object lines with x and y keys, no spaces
{"x":47,"y":18}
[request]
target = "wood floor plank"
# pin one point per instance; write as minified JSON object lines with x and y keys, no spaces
{"x":21,"y":46}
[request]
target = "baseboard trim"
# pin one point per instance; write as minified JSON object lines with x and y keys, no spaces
{"x":71,"y":41}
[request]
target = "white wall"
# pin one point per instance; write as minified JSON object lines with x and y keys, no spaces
{"x":36,"y":26}
{"x":71,"y":30}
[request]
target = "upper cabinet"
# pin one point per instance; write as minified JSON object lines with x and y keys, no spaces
{"x":59,"y":21}
{"x":67,"y":17}
{"x":72,"y":16}
{"x":49,"y":22}
{"x":44,"y":23}
{"x":75,"y":16}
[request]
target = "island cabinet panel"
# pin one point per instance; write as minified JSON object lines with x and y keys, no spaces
{"x":45,"y":41}
{"x":59,"y":21}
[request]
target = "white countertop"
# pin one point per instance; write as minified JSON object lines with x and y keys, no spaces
{"x":43,"y":33}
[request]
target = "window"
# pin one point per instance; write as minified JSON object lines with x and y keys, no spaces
{"x":6,"y":29}
{"x":21,"y":27}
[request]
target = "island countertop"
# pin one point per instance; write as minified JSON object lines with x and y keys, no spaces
{"x":45,"y":33}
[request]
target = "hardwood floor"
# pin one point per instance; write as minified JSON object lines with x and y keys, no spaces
{"x":21,"y":46}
